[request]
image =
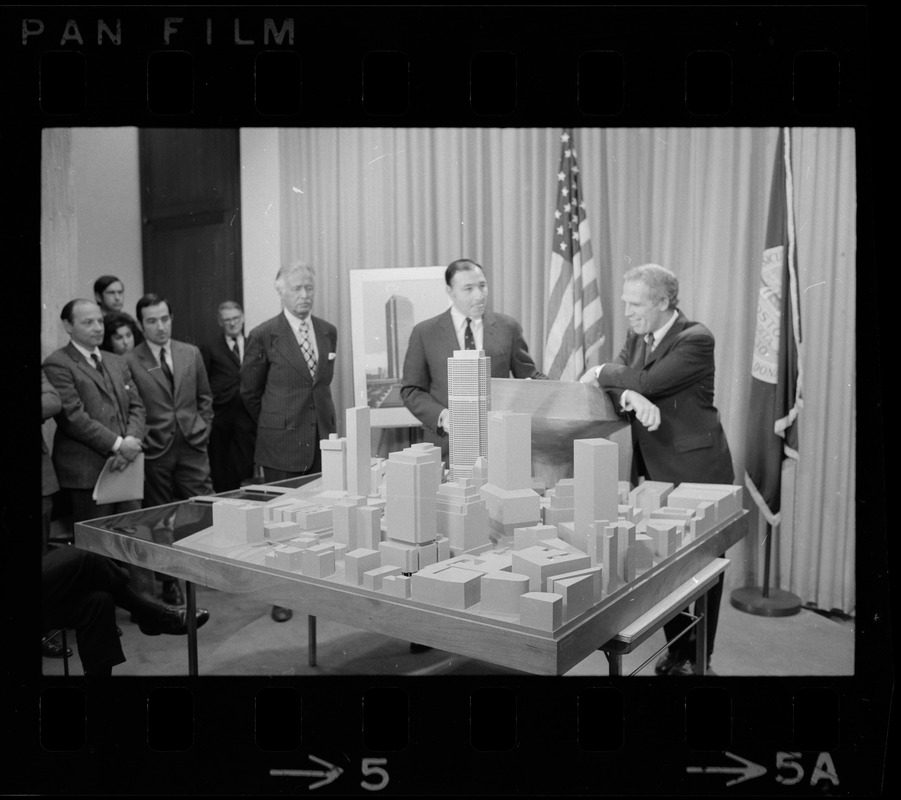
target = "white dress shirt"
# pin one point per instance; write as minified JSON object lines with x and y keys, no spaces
{"x":477,"y":325}
{"x":295,"y":323}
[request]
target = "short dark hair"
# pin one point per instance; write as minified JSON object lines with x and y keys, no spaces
{"x":104,"y":281}
{"x":112,"y":323}
{"x":149,"y":299}
{"x":69,"y":308}
{"x":459,"y":265}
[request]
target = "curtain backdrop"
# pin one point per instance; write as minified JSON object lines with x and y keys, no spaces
{"x":694,"y":200}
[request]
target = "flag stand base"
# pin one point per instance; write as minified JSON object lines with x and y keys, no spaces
{"x":777,"y":603}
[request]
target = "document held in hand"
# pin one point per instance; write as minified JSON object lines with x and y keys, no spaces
{"x":116,"y":486}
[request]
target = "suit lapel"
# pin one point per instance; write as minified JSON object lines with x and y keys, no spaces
{"x":489,"y":333}
{"x":87,"y":368}
{"x":447,"y":333}
{"x":145,"y":356}
{"x":286,"y":343}
{"x":667,"y":341}
{"x":323,"y":346}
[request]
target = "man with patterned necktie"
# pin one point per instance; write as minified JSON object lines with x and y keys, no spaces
{"x":234,"y":430}
{"x":286,"y":381}
{"x":176,"y":392}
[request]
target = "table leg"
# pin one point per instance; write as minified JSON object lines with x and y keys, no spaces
{"x":191,"y":621}
{"x":701,"y":640}
{"x":311,"y":640}
{"x":615,"y":660}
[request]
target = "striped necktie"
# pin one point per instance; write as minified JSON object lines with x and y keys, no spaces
{"x":303,"y":338}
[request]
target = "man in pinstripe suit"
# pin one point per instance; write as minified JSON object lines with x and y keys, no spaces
{"x":286,"y":375}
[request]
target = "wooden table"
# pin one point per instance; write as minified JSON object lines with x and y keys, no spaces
{"x":127,"y":538}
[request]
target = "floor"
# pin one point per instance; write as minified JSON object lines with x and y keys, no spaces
{"x":242,"y":639}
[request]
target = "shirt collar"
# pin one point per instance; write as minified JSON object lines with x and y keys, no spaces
{"x":87,"y":353}
{"x":661,"y":332}
{"x":155,"y":348}
{"x":460,"y":319}
{"x":294,"y":322}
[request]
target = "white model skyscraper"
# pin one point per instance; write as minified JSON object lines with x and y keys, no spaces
{"x":469,"y":401}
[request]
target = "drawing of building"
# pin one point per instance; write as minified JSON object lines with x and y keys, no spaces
{"x":398,"y":327}
{"x":469,"y":401}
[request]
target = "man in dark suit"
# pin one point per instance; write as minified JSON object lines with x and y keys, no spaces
{"x":663,"y":379}
{"x":234,"y":430}
{"x":467,"y":324}
{"x":176,"y":392}
{"x":102,"y":414}
{"x":285,"y":382}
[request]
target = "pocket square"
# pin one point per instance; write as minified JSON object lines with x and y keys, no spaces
{"x":331,"y":356}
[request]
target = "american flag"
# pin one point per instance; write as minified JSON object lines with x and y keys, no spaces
{"x":574,"y":303}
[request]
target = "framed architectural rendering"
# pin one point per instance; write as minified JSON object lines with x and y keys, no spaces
{"x":385,"y":305}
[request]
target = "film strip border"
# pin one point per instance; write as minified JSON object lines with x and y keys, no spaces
{"x":697,"y":65}
{"x":485,"y":735}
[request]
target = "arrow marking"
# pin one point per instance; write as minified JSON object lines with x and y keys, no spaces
{"x":748,"y":771}
{"x":330,"y":774}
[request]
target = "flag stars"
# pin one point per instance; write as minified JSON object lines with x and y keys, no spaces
{"x":564,"y":137}
{"x":560,"y":230}
{"x":561,"y":176}
{"x":565,"y":191}
{"x":563,"y":246}
{"x":557,"y":214}
{"x":567,"y":207}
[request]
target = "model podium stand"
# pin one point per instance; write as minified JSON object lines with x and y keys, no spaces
{"x":563,"y":411}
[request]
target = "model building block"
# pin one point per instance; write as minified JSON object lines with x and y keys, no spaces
{"x":595,"y":473}
{"x":400,"y":554}
{"x":468,"y":403}
{"x":461,"y":515}
{"x":237,"y":522}
{"x":666,"y":534}
{"x":310,"y":516}
{"x":303,"y":541}
{"x":540,"y":562}
{"x":729,"y":498}
{"x":334,"y":463}
{"x":372,"y":579}
{"x":541,"y":610}
{"x":623,"y":489}
{"x":410,"y":510}
{"x":593,"y":544}
{"x":357,"y":562}
{"x":479,"y":474}
{"x":561,"y":503}
{"x":288,"y":557}
{"x":451,"y":587}
{"x":611,"y":561}
{"x":279,"y":531}
{"x":436,"y":473}
{"x":368,"y":528}
{"x":510,"y":450}
{"x":532,"y":535}
{"x":684,"y":515}
{"x":442,"y":543}
{"x":501,"y":592}
{"x":650,"y":495}
{"x":509,"y":509}
{"x":359,"y":444}
{"x":318,"y":561}
{"x":577,"y":593}
{"x":396,"y":585}
{"x":344,"y":517}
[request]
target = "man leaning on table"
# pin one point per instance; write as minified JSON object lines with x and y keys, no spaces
{"x":663,"y":380}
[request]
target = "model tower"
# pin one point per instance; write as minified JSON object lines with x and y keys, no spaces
{"x":469,"y":401}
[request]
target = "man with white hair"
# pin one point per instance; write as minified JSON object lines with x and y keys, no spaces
{"x":663,"y":379}
{"x":285,"y":382}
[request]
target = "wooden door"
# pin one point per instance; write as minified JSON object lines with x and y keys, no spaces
{"x":190,"y":207}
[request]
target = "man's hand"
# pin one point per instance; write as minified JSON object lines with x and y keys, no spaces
{"x":129,"y":449}
{"x":442,"y":419}
{"x":645,"y":411}
{"x":591,"y":376}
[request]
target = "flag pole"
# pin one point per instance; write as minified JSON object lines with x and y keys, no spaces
{"x":764,"y":601}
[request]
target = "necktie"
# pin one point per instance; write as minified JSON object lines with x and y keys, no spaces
{"x":235,"y":351}
{"x":303,"y":337}
{"x":98,"y":364}
{"x":469,"y":341}
{"x":648,"y":347}
{"x":166,"y":371}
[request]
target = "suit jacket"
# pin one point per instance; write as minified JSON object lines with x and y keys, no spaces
{"x":690,"y":444}
{"x":51,"y":405}
{"x":293,"y":409}
{"x":189,"y":408}
{"x":224,"y":373}
{"x":91,"y":418}
{"x":433,"y":341}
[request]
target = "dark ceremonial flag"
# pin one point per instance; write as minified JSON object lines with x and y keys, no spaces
{"x":776,"y":363}
{"x":574,"y":302}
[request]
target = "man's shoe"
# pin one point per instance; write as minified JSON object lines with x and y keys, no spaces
{"x":280,"y":614}
{"x":173,"y":621}
{"x":665,"y":663}
{"x":682,"y":669}
{"x":418,"y":648}
{"x":53,"y":648}
{"x":171,"y":594}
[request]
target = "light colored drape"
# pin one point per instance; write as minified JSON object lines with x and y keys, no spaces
{"x":694,"y":200}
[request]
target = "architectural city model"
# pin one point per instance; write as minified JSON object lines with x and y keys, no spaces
{"x":482,"y":541}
